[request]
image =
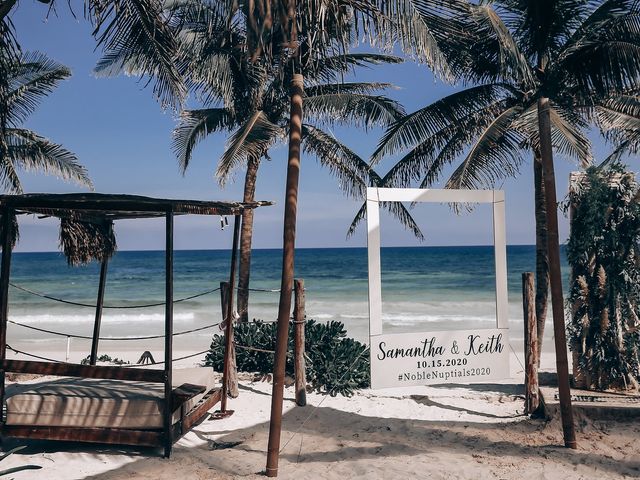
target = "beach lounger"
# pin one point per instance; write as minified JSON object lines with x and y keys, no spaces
{"x":108,"y":410}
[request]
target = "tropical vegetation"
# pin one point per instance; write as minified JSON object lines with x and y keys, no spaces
{"x":250,"y":100}
{"x":539,"y":74}
{"x":604,"y":256}
{"x":28,"y":78}
{"x":335,"y":363}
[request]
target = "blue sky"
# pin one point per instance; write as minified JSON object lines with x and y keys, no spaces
{"x":123,"y":137}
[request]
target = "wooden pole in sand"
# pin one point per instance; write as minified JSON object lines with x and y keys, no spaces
{"x":286,"y":284}
{"x":531,"y":388}
{"x":168,"y":333}
{"x":99,"y":304}
{"x":5,"y":271}
{"x":555,"y":275}
{"x":298,"y":345}
{"x":228,"y":336}
{"x":231,"y":377}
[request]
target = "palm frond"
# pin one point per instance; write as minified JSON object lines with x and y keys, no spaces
{"x":607,"y":63}
{"x":353,"y":109}
{"x":137,"y":40}
{"x":397,"y":210}
{"x":333,"y":68}
{"x":494,"y":156}
{"x":32,"y":78}
{"x":252,"y":139}
{"x":424,"y":30}
{"x":351,"y":171}
{"x":428,"y":158}
{"x":194,"y":126}
{"x":31,"y":152}
{"x":510,"y":60}
{"x":420,"y":125}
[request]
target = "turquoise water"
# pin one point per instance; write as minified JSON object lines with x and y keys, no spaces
{"x":424,"y":288}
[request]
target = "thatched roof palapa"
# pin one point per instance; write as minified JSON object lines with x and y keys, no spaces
{"x":86,"y":219}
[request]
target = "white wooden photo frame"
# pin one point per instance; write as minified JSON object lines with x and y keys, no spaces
{"x":455,"y":356}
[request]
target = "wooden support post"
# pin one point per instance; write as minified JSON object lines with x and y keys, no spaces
{"x":286,"y":283}
{"x":231,"y":376}
{"x":99,"y":304}
{"x":555,"y":275}
{"x":531,"y":387}
{"x":168,"y":335}
{"x":5,"y":271}
{"x":299,"y":316}
{"x":228,"y":344}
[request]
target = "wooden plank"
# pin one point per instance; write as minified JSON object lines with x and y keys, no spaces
{"x":97,"y":202}
{"x":87,"y":371}
{"x":430,"y":195}
{"x":149,"y":438}
{"x":298,"y":344}
{"x":500,"y":258}
{"x":183,"y":393}
{"x":200,"y":410}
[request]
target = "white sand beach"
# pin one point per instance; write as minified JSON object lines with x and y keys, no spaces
{"x":436,"y":432}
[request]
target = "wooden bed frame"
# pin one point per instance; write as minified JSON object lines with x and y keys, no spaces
{"x":101,"y":208}
{"x":119,"y":436}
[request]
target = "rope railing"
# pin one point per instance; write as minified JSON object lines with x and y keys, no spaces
{"x":93,"y":305}
{"x":143,"y":305}
{"x":39,"y":357}
{"x":86,"y":337}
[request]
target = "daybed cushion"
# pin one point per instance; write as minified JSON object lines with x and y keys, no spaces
{"x":98,"y":403}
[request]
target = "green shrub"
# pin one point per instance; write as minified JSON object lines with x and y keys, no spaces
{"x":104,"y":358}
{"x":335,"y":363}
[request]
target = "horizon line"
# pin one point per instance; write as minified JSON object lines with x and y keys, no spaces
{"x":297,"y":248}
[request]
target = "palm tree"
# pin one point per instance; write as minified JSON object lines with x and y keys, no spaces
{"x":539,"y":70}
{"x":29,"y":78}
{"x":250,"y":99}
{"x":141,"y":27}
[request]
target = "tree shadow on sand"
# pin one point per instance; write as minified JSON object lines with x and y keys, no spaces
{"x":316,"y":439}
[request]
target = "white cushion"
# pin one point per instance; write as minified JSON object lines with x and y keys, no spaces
{"x":98,"y":403}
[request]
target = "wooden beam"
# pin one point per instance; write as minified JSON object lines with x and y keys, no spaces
{"x":200,"y":410}
{"x":99,"y":304}
{"x":5,"y":272}
{"x":228,"y":345}
{"x":86,"y":371}
{"x":168,"y":332}
{"x":148,"y":438}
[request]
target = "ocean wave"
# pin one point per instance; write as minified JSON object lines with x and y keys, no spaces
{"x":413,"y":319}
{"x":106,"y":318}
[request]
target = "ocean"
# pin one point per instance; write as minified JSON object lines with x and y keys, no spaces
{"x":424,"y":288}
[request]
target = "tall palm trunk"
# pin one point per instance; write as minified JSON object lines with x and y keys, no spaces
{"x":542,"y":259}
{"x":246,"y":236}
{"x":286,"y":284}
{"x":555,"y":276}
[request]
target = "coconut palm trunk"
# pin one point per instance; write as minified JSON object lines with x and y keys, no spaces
{"x":286,"y":284}
{"x":555,"y":276}
{"x":246,"y":236}
{"x":542,"y":259}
